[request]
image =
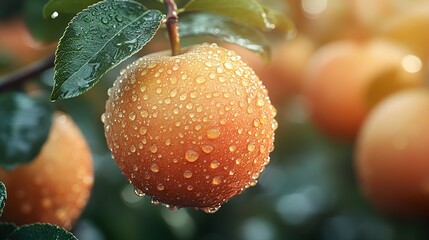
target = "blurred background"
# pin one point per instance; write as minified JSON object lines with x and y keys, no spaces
{"x":345,"y":57}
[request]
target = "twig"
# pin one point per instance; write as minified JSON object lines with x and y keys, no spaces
{"x":173,"y":26}
{"x":16,"y":78}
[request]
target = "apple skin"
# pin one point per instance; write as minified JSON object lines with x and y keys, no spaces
{"x":55,"y":187}
{"x":191,"y":130}
{"x":391,"y":161}
{"x":346,"y":78}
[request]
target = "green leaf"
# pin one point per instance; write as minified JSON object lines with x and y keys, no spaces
{"x":41,"y":231}
{"x":3,"y":197}
{"x":25,"y":123}
{"x":203,"y":24}
{"x":44,"y":29}
{"x":96,"y":40}
{"x":245,"y":11}
{"x":6,"y":229}
{"x":66,"y":6}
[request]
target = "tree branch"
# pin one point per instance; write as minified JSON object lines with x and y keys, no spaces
{"x":16,"y":78}
{"x":173,"y":26}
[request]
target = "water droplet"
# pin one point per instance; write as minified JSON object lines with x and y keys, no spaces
{"x":54,"y":15}
{"x":143,"y":130}
{"x":260,"y":102}
{"x":104,"y":20}
{"x":214,"y":164}
{"x":103,"y":118}
{"x":207,"y":148}
{"x":133,"y":148}
{"x":173,"y":93}
{"x":132,"y":116}
{"x":217,"y":180}
{"x":210,"y":209}
{"x":187,"y":174}
{"x":118,"y":18}
{"x":200,"y":79}
{"x":153,"y":149}
{"x":228,"y":65}
{"x":191,"y":155}
{"x":232,"y":148}
{"x":256,"y":122}
{"x":251,"y":146}
{"x":144,"y":114}
{"x":160,"y":187}
{"x":154,"y":168}
{"x":138,"y":192}
{"x":213,"y":133}
{"x":154,"y":202}
{"x":183,"y":96}
{"x":175,"y":67}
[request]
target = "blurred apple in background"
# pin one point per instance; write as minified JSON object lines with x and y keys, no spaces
{"x":283,"y":74}
{"x":346,"y":78}
{"x":392,"y":154}
{"x":410,"y":27}
{"x":17,"y":47}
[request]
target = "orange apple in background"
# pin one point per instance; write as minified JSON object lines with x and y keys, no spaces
{"x":55,"y":187}
{"x":17,"y":45}
{"x":392,"y":154}
{"x":346,"y":78}
{"x":284,"y":73}
{"x":410,"y":28}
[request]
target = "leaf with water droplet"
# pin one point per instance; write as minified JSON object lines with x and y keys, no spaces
{"x":41,"y":231}
{"x":25,"y":123}
{"x":203,"y":24}
{"x":65,"y":6}
{"x":88,"y":50}
{"x":3,"y":197}
{"x":251,"y":12}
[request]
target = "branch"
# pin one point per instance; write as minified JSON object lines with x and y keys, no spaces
{"x":173,"y":26}
{"x":16,"y":78}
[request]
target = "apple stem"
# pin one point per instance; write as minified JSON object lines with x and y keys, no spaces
{"x":173,"y":26}
{"x":16,"y":78}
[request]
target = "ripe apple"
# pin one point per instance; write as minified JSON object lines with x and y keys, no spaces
{"x":392,"y":154}
{"x":346,"y":78}
{"x":55,"y":187}
{"x":191,"y":130}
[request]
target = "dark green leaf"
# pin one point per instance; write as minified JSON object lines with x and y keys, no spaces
{"x":246,"y":11}
{"x":3,"y":197}
{"x":24,"y":127}
{"x":98,"y":39}
{"x":202,"y":24}
{"x":41,"y":231}
{"x":6,"y":229}
{"x":66,"y":6}
{"x":44,"y":29}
